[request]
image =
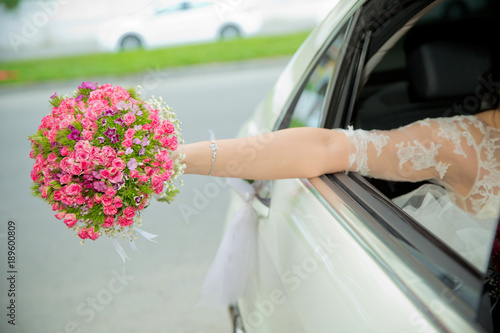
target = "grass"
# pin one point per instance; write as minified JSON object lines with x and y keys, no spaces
{"x":124,"y":63}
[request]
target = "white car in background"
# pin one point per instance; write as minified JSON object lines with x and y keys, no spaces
{"x":335,"y":253}
{"x":165,"y":23}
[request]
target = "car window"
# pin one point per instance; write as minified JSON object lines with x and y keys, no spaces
{"x":393,"y":96}
{"x":172,"y":9}
{"x":197,"y":5}
{"x":308,"y":110}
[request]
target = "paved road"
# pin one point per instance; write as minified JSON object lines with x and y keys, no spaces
{"x":62,"y":286}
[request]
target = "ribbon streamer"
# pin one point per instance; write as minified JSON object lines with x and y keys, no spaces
{"x":227,"y":277}
{"x":149,"y":236}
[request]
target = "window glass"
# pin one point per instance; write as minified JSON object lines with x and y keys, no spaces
{"x":196,"y":5}
{"x":308,"y":111}
{"x":172,"y":9}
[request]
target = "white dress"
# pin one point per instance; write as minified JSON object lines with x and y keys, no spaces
{"x":461,"y":157}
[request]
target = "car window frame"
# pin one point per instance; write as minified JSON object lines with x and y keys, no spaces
{"x":372,"y":200}
{"x":282,"y":122}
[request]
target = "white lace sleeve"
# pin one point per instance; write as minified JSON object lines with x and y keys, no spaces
{"x":445,"y":150}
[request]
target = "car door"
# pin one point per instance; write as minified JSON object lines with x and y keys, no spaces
{"x":333,"y":253}
{"x":182,"y":22}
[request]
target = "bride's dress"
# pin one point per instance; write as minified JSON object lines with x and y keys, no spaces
{"x":461,"y":157}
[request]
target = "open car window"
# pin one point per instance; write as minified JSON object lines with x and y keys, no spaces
{"x":445,"y":65}
{"x":442,"y":67}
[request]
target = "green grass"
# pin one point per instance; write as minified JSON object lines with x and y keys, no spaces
{"x":124,"y":63}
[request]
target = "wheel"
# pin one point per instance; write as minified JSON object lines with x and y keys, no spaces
{"x":130,"y":42}
{"x":230,"y":32}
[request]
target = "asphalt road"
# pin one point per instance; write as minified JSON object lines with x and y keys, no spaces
{"x":63,"y":286}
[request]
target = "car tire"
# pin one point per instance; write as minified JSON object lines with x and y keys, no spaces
{"x":130,"y":42}
{"x":229,"y":32}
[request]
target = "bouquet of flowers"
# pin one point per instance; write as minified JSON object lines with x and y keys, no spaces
{"x":101,"y":155}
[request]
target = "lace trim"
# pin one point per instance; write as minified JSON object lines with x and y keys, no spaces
{"x":360,"y":140}
{"x":421,"y":157}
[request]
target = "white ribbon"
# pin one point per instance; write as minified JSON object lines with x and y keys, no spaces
{"x":227,"y":277}
{"x":149,"y":236}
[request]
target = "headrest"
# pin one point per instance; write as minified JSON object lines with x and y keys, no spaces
{"x":442,"y":70}
{"x":447,"y":61}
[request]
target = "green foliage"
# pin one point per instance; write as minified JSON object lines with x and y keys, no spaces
{"x":10,"y":4}
{"x":125,"y":63}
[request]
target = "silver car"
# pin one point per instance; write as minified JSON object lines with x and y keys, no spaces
{"x":334,"y":253}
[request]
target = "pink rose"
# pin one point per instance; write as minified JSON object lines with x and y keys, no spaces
{"x":83,"y":234}
{"x":87,"y":135}
{"x":143,"y":178}
{"x":95,"y":150}
{"x":117,"y":202}
{"x":75,"y":170}
{"x":65,"y":179}
{"x":110,"y":210}
{"x":67,"y":200}
{"x":64,"y":151}
{"x":97,"y":198}
{"x":65,"y":164}
{"x":70,"y":220}
{"x":110,"y":191}
{"x":73,"y":189}
{"x":57,"y":195}
{"x":60,"y":215}
{"x":146,"y":127}
{"x":129,"y":118}
{"x":108,"y":222}
{"x":55,"y":206}
{"x":115,"y":175}
{"x":129,"y":212}
{"x":162,"y":156}
{"x":44,"y":191}
{"x":106,"y":200}
{"x":80,"y":200}
{"x":109,"y":154}
{"x":51,"y":158}
{"x":83,"y":145}
{"x":90,"y":114}
{"x":167,"y":127}
{"x":98,"y":159}
{"x":134,"y":174}
{"x":118,"y":163}
{"x":65,"y":122}
{"x":104,"y":173}
{"x":86,"y":123}
{"x":148,"y":171}
{"x":125,"y":222}
{"x":82,"y":155}
{"x":166,"y":176}
{"x":91,"y":234}
{"x":84,"y":165}
{"x":127,"y":143}
{"x":129,"y":134}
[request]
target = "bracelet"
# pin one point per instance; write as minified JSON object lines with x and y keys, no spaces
{"x":213,"y":148}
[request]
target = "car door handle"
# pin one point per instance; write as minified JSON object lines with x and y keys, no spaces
{"x":262,"y":200}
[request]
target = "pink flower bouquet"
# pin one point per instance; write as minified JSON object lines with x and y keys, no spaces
{"x":101,"y":155}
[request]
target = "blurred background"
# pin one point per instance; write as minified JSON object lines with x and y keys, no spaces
{"x":212,"y":62}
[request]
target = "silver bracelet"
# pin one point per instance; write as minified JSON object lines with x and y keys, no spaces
{"x":213,"y":148}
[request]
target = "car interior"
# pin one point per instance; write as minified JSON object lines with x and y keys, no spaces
{"x":448,"y":64}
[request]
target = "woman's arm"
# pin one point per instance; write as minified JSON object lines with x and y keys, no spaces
{"x":289,"y":153}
